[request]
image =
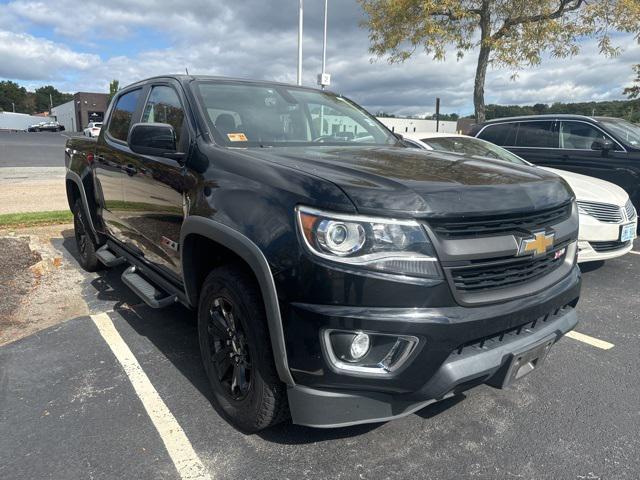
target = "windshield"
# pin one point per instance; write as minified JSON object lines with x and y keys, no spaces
{"x":625,"y":131}
{"x":247,"y":115}
{"x":473,"y":146}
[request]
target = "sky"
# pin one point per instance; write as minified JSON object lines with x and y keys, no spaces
{"x":77,"y":45}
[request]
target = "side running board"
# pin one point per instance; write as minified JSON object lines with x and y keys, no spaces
{"x":108,"y":258}
{"x":151,"y":295}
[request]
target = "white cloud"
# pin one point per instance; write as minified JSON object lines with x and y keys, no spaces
{"x":257,"y":39}
{"x":26,"y":57}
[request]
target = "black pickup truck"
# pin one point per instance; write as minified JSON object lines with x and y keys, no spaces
{"x":338,"y":276}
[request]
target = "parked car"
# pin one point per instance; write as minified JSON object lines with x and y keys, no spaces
{"x":52,"y":126}
{"x":608,"y":220}
{"x":601,"y":147}
{"x":344,"y":279}
{"x":93,"y":129}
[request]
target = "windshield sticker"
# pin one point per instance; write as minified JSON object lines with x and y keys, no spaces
{"x":270,"y":101}
{"x":237,"y":137}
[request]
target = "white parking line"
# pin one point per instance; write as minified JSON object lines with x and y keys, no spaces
{"x":634,"y":252}
{"x":180,"y":450}
{"x":594,"y":342}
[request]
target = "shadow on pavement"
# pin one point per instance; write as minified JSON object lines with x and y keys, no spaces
{"x":591,"y":266}
{"x":174,"y":333}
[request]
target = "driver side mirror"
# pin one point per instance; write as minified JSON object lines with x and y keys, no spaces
{"x":603,"y":145}
{"x":157,"y":139}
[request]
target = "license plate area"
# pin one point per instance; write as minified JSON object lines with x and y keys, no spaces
{"x":628,"y":232}
{"x":527,"y":360}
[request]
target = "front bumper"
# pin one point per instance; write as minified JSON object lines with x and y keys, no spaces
{"x":593,"y":230}
{"x":463,"y":369}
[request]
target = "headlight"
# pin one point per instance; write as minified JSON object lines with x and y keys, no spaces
{"x":380,"y":244}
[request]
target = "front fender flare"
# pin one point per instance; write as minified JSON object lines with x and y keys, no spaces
{"x":253,"y":256}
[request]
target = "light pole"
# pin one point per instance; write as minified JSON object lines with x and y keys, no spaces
{"x":300,"y":22}
{"x":14,"y":107}
{"x":324,"y":79}
{"x":324,"y":40}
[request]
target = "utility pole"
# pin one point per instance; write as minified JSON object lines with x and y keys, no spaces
{"x":14,"y":107}
{"x":300,"y":22}
{"x":437,"y":114}
{"x":50,"y":103}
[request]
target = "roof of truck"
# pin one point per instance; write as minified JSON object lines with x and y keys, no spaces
{"x":184,"y":78}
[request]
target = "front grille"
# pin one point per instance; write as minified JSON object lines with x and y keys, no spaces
{"x":604,"y":212}
{"x":630,"y":211}
{"x":499,"y":224}
{"x":602,"y":247}
{"x":506,"y":272}
{"x":496,"y":340}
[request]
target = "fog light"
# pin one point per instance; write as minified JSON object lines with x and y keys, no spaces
{"x":360,"y":346}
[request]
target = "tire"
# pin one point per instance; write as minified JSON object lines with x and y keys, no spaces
{"x":84,"y":242}
{"x":254,"y":399}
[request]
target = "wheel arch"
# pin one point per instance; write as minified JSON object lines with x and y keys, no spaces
{"x":75,"y":190}
{"x":196,"y":227}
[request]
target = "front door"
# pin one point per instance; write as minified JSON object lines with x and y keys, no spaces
{"x":112,"y":154}
{"x":154,"y":187}
{"x":577,"y":154}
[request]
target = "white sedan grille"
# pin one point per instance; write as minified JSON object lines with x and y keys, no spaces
{"x":604,"y":212}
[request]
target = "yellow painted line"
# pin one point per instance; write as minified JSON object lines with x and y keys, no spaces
{"x":594,"y":342}
{"x":178,"y":446}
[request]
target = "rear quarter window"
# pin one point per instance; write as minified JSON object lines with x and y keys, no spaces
{"x":122,"y":114}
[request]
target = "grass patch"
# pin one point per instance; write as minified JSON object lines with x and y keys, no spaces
{"x":35,"y":218}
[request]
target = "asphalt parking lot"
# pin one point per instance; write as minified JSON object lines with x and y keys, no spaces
{"x":41,"y":149}
{"x":80,"y":401}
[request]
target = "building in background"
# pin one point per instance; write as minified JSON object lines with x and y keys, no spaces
{"x":84,"y":108}
{"x":19,"y":121}
{"x":413,"y":125}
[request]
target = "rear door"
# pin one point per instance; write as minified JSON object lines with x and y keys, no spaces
{"x":577,"y":155}
{"x":110,"y":159}
{"x":154,"y":187}
{"x":534,"y":140}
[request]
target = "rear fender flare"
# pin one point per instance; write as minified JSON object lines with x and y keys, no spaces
{"x":75,"y":178}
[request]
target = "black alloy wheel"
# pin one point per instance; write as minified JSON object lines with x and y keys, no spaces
{"x":229,"y":350}
{"x":236,"y":350}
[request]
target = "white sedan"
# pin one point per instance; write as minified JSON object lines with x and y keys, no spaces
{"x":608,"y":220}
{"x":93,"y":129}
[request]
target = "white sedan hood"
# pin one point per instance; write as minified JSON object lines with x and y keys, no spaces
{"x":591,"y":189}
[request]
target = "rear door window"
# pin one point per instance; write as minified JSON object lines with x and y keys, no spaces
{"x":122,"y":115}
{"x":537,"y":134}
{"x":502,"y":134}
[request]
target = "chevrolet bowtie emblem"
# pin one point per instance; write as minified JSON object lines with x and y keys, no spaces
{"x":538,"y":245}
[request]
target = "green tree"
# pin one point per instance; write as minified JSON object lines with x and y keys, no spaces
{"x":48,"y":94}
{"x":634,"y":90}
{"x":507,"y":33}
{"x":114,"y":86}
{"x":13,"y":94}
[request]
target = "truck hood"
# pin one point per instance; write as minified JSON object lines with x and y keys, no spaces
{"x":410,"y":182}
{"x":589,"y":189}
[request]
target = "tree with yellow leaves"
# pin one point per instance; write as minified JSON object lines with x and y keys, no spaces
{"x":507,"y":33}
